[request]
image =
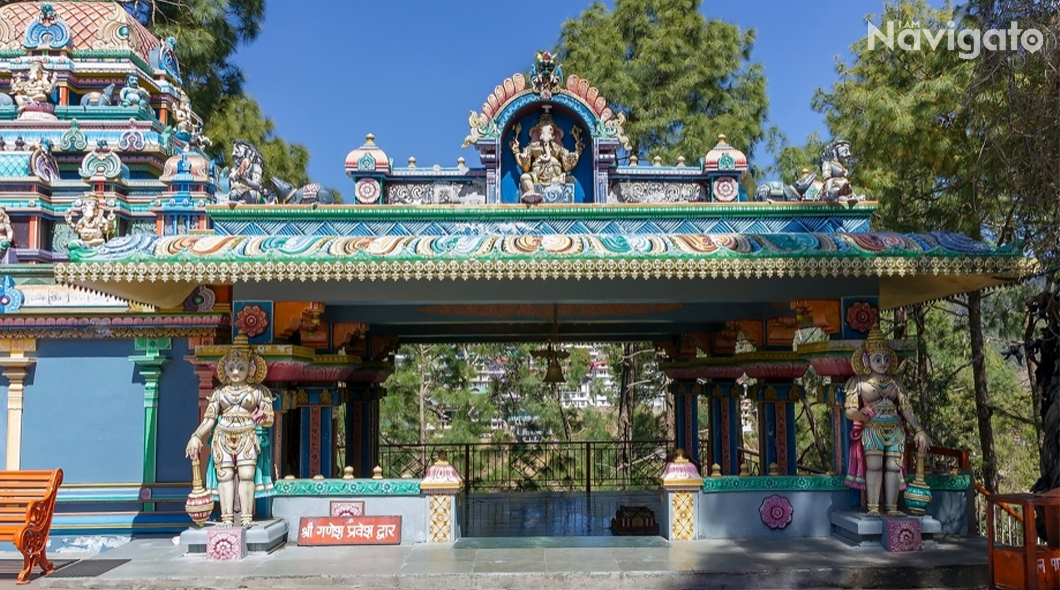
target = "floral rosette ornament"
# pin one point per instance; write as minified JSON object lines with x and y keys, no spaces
{"x":776,"y":512}
{"x":252,"y":320}
{"x":862,"y":316}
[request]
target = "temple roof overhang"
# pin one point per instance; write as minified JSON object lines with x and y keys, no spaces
{"x":910,"y":268}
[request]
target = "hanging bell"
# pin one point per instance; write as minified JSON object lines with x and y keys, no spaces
{"x":554,"y":373}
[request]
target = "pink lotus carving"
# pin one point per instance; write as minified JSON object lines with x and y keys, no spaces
{"x":776,"y":512}
{"x":862,"y":316}
{"x":252,"y":320}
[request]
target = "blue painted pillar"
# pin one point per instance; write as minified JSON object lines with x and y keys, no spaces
{"x":362,"y":429}
{"x":726,"y":428}
{"x":317,"y":455}
{"x":686,"y":416}
{"x":776,"y":412}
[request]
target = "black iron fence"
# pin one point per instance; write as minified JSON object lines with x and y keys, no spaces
{"x":538,"y":467}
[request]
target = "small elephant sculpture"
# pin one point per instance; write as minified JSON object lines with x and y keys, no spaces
{"x":99,"y":98}
{"x":311,"y":193}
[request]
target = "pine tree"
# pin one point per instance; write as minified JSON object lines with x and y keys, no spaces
{"x":680,"y":78}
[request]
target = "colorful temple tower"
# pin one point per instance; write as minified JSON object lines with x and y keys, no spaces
{"x":132,"y":260}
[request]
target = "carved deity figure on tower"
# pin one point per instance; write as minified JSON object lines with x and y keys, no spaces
{"x":183,"y":117}
{"x":245,"y":177}
{"x":880,"y":407}
{"x":95,"y":224}
{"x":236,"y":417}
{"x":544,"y":160}
{"x":33,"y":87}
{"x":132,"y":95}
{"x":7,"y":233}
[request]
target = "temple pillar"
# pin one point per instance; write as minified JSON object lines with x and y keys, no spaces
{"x":725,"y":427}
{"x":314,"y":409}
{"x":362,"y":429}
{"x":840,"y":426}
{"x":15,"y":369}
{"x":686,"y":416}
{"x":776,"y":426}
{"x":149,"y":364}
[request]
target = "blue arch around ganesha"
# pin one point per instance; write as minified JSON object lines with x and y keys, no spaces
{"x":567,"y":112}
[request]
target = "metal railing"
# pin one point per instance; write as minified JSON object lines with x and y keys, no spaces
{"x":1019,"y":556}
{"x":538,"y":467}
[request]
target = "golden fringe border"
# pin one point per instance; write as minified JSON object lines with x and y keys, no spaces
{"x":234,"y":272}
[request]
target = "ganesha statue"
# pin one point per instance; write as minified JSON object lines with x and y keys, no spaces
{"x":545,"y":162}
{"x":235,"y":422}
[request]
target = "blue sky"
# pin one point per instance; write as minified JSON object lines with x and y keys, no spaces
{"x":409,"y":71}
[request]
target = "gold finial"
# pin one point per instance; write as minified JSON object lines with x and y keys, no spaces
{"x":461,"y":161}
{"x":369,"y":139}
{"x":875,"y":336}
{"x":318,"y":477}
{"x":633,"y":160}
{"x":656,"y":161}
{"x":680,"y":160}
{"x":288,"y":478}
{"x":715,"y":470}
{"x":412,"y":162}
{"x":443,"y":458}
{"x":377,"y":472}
{"x":679,"y":456}
{"x":347,"y":472}
{"x":721,"y":138}
{"x":774,"y":469}
{"x":744,"y":469}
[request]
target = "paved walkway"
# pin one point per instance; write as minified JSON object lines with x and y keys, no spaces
{"x":609,"y":563}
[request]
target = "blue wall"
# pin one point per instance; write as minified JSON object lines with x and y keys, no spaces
{"x":84,"y":412}
{"x":178,"y":414}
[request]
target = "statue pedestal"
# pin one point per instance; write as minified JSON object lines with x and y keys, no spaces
{"x":902,"y":534}
{"x":878,"y":533}
{"x":226,"y":544}
{"x":265,"y":536}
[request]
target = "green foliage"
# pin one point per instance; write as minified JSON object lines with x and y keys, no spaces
{"x":440,"y":376}
{"x":951,"y":411}
{"x":680,"y":78}
{"x":905,"y":116}
{"x":790,"y":161}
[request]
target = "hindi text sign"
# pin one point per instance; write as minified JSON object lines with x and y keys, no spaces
{"x":354,"y":530}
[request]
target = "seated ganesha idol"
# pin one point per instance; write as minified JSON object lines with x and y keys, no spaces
{"x":544,"y":161}
{"x":237,"y":414}
{"x":878,"y":405}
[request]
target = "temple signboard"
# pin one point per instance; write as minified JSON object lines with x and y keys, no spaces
{"x":356,"y":530}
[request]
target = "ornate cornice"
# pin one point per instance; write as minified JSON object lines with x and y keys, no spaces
{"x":774,"y":483}
{"x":346,"y":487}
{"x":113,"y":326}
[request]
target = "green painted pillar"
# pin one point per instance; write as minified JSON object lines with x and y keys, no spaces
{"x":149,"y":363}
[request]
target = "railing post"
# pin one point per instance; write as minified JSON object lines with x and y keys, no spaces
{"x":588,"y":468}
{"x":467,"y":468}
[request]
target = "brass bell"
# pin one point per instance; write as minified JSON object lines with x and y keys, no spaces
{"x":554,"y":373}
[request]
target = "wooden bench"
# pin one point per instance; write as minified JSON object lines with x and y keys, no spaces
{"x":27,"y":504}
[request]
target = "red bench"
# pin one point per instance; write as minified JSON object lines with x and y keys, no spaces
{"x":27,"y":504}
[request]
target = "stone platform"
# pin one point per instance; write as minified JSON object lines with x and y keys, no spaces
{"x":265,"y":536}
{"x":867,"y":532}
{"x":555,"y":563}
